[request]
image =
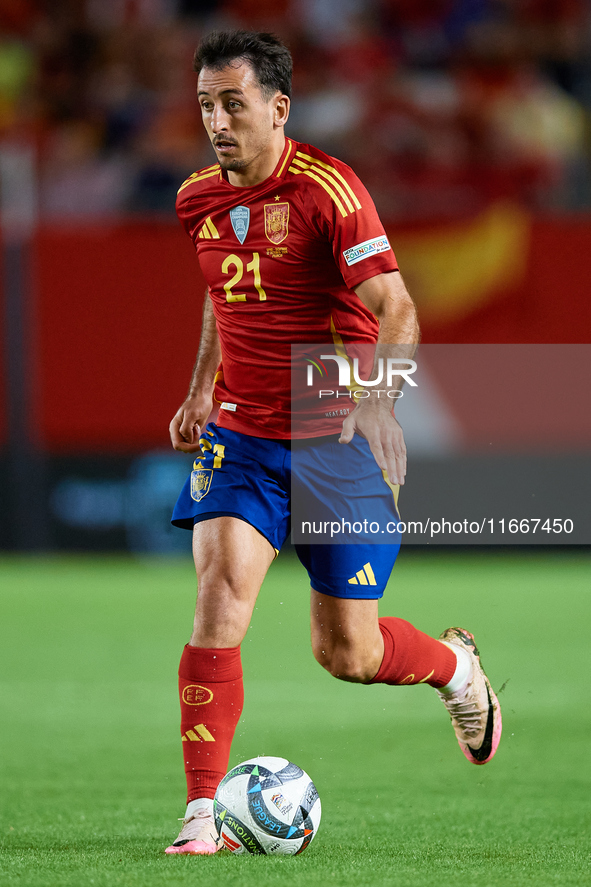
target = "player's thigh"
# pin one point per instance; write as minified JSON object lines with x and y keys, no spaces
{"x":238,"y":476}
{"x":346,"y":637}
{"x":231,"y":561}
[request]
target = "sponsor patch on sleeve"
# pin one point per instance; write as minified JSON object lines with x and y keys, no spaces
{"x":366,"y":249}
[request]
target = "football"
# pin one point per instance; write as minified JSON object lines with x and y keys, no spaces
{"x":268,"y":806}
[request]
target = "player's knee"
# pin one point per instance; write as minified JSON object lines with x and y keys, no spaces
{"x":223,"y":611}
{"x":224,"y":589}
{"x":220,"y":577}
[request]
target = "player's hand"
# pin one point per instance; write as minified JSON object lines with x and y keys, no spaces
{"x":384,"y":436}
{"x":185,"y":428}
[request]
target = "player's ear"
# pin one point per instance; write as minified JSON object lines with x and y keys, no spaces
{"x":281,"y":111}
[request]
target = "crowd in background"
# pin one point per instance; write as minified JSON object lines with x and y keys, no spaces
{"x":441,"y":106}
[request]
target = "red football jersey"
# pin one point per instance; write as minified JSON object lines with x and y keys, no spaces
{"x":281,"y":259}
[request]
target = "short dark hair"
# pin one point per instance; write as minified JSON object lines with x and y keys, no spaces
{"x":270,"y":58}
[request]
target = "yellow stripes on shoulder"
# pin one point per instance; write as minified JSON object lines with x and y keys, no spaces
{"x":206,"y":173}
{"x":330,"y":179}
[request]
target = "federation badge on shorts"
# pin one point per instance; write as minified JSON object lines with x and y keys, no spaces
{"x":276,"y":221}
{"x":240,"y":218}
{"x":200,"y":482}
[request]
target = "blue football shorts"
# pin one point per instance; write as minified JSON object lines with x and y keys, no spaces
{"x":343,"y":509}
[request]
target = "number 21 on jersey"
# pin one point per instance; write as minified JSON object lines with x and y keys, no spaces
{"x":235,"y":263}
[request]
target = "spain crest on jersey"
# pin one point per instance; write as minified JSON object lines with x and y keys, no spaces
{"x":276,"y":220}
{"x":200,"y":482}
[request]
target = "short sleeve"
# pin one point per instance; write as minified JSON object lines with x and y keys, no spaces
{"x":185,"y":211}
{"x":360,"y":246}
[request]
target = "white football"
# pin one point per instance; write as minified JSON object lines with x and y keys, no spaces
{"x":267,"y":805}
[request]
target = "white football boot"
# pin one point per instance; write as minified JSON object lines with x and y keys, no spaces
{"x":198,"y":835}
{"x":473,"y":707}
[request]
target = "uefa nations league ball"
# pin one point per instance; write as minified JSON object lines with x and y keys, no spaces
{"x":267,"y":805}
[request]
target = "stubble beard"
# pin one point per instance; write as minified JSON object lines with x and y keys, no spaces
{"x":235,"y":164}
{"x":231,"y":165}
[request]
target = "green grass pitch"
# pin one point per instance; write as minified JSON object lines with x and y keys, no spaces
{"x":91,"y":782}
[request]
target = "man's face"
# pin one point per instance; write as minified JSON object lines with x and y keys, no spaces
{"x":238,"y":119}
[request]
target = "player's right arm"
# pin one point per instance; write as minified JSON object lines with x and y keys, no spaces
{"x":185,"y":428}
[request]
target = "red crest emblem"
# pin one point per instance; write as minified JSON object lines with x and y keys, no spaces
{"x":276,"y":221}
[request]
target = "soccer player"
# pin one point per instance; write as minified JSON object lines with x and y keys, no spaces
{"x":293,"y":251}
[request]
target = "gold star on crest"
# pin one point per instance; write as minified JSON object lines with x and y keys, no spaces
{"x":277,"y":197}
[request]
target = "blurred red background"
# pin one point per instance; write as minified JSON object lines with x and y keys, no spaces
{"x":118,"y":314}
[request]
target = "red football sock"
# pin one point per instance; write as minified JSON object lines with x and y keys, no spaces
{"x":413,"y":657}
{"x":212,"y":696}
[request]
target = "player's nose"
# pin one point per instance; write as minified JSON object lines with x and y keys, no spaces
{"x":219,"y":119}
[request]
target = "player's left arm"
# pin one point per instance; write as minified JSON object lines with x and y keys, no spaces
{"x":386,"y":296}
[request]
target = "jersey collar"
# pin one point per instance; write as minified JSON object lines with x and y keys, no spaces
{"x":283,"y":165}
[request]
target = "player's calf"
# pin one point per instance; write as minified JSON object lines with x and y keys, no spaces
{"x":346,"y":638}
